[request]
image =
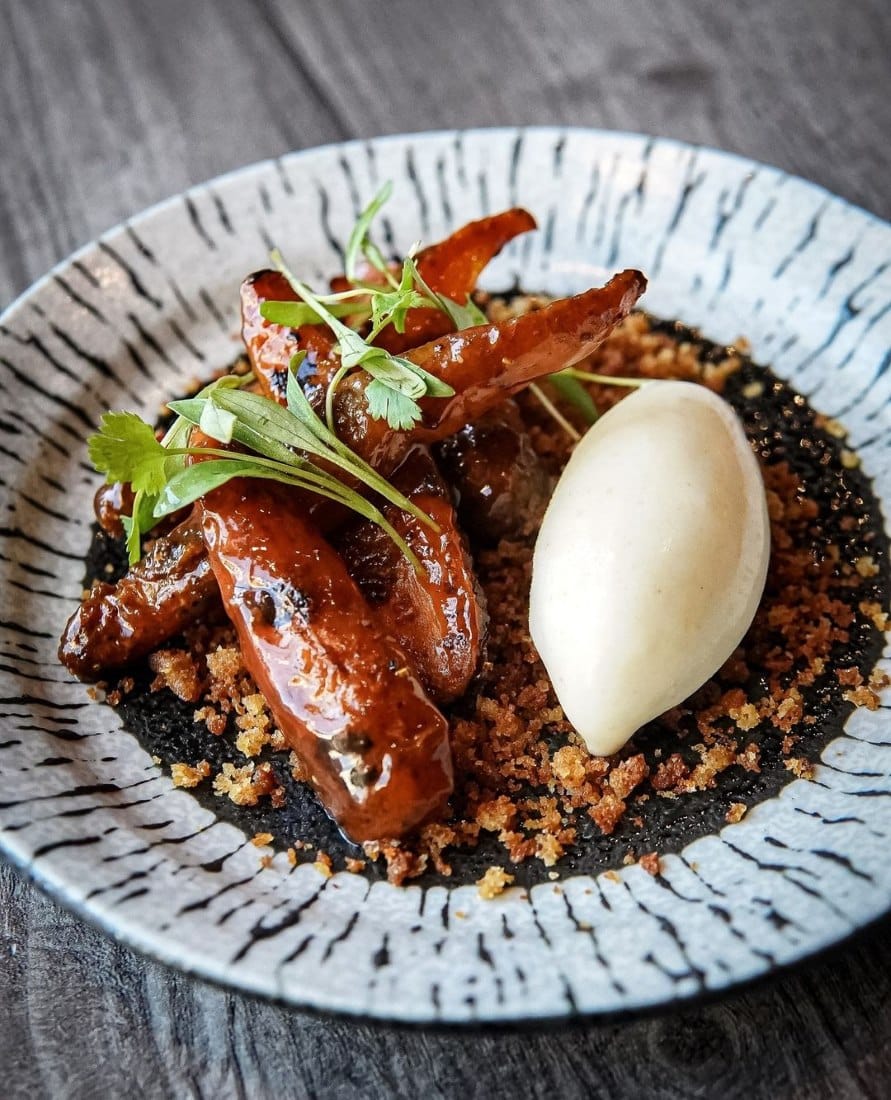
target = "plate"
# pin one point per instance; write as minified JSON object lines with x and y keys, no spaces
{"x":731,"y":247}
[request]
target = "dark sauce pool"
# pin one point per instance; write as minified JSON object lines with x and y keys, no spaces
{"x":782,"y":427}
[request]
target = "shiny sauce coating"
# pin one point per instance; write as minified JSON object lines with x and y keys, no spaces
{"x":165,"y":592}
{"x":342,"y":693}
{"x":436,"y":615}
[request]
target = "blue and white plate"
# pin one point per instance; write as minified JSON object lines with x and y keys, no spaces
{"x":731,"y":247}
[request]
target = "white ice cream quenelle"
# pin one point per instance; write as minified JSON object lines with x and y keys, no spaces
{"x":651,"y":559}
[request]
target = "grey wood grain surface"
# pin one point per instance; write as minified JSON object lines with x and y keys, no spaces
{"x":109,"y":106}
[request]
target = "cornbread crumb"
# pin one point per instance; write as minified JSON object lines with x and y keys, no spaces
{"x":245,"y":786}
{"x":863,"y":697}
{"x":322,"y":864}
{"x":874,"y":612}
{"x":292,"y":856}
{"x":260,"y":840}
{"x":650,"y":863}
{"x":735,"y":813}
{"x":355,"y":866}
{"x":178,"y":670}
{"x":548,"y":849}
{"x":799,"y":767}
{"x":849,"y":459}
{"x":569,"y":766}
{"x":879,"y":679}
{"x":866,"y":566}
{"x":237,"y":784}
{"x":188,"y":775}
{"x":746,"y":717}
{"x":493,"y":882}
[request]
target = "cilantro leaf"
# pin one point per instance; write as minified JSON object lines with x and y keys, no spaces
{"x":391,"y":307}
{"x":434,"y":387}
{"x":385,"y":403}
{"x":125,"y":449}
{"x":398,"y":375}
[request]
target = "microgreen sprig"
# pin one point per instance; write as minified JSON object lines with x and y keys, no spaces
{"x":568,"y":384}
{"x":276,"y":443}
{"x":397,"y":384}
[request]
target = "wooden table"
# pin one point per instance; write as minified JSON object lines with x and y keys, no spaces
{"x":109,"y":106}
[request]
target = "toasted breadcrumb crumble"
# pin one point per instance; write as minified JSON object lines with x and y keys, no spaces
{"x":650,"y":863}
{"x":736,"y":812}
{"x":494,"y":882}
{"x":188,"y":775}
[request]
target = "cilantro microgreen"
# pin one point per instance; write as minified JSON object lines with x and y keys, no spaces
{"x":360,"y":244}
{"x":125,"y":449}
{"x":397,"y":384}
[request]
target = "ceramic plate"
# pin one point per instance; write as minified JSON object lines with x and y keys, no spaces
{"x":730,"y":247}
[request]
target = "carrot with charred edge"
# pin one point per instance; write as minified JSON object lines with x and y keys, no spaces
{"x":271,"y":347}
{"x":452,"y":268}
{"x":343,"y":694}
{"x":438,"y":615}
{"x":486,"y":364}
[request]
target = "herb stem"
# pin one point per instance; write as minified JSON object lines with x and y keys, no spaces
{"x":603,"y":379}
{"x":329,"y":397}
{"x":549,"y":405}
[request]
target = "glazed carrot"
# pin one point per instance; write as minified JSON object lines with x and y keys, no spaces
{"x":341,"y":692}
{"x":451,"y":267}
{"x":486,"y":364}
{"x":436,"y":615}
{"x":159,"y":596}
{"x":501,"y":485}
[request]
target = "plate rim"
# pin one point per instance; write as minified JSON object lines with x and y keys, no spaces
{"x":152,"y":944}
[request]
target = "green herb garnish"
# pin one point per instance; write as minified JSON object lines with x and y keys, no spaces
{"x":397,"y":384}
{"x":277,"y":443}
{"x":568,"y":384}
